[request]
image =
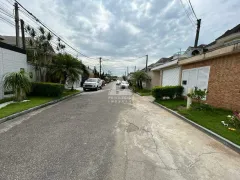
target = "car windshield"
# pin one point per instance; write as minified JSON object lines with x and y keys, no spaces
{"x":91,"y":80}
{"x":124,"y":82}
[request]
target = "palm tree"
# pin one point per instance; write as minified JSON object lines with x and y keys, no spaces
{"x":65,"y":67}
{"x":60,"y":46}
{"x":138,"y":77}
{"x":19,"y":83}
{"x":41,"y":48}
{"x":72,"y":80}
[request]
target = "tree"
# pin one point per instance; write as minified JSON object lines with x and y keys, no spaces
{"x":95,"y":72}
{"x":19,"y":83}
{"x":124,"y":77}
{"x":138,"y":77}
{"x":65,"y":67}
{"x":41,"y":48}
{"x":60,"y":46}
{"x":72,"y":79}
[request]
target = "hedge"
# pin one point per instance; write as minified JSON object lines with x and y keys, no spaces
{"x":167,"y":91}
{"x":47,"y":89}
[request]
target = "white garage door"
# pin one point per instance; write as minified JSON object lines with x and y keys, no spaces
{"x":171,"y":77}
{"x":197,"y":77}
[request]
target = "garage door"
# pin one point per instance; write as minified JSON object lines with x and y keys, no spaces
{"x":197,"y":77}
{"x":171,"y":77}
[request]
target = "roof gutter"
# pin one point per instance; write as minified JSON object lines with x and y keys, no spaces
{"x":213,"y":54}
{"x":172,"y":63}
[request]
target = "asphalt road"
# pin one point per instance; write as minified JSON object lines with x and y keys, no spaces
{"x":110,"y":135}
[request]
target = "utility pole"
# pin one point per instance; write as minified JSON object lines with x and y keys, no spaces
{"x":135,"y":68}
{"x":17,"y":23}
{"x":197,"y":32}
{"x":146,"y":63}
{"x":127,"y":70}
{"x":100,"y":60}
{"x":23,"y":34}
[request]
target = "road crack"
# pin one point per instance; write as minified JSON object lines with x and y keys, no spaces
{"x":159,"y":156}
{"x":191,"y":165}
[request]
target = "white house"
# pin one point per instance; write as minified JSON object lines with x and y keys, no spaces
{"x":169,"y":72}
{"x":12,"y":59}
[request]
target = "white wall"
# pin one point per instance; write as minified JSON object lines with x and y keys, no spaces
{"x":10,"y":61}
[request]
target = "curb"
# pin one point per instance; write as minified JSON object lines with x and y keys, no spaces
{"x":138,"y":94}
{"x":2,"y":120}
{"x":219,"y":138}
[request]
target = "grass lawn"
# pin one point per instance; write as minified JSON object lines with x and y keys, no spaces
{"x":34,"y":101}
{"x":210,"y":119}
{"x":144,"y":92}
{"x":172,"y":104}
{"x":69,"y":92}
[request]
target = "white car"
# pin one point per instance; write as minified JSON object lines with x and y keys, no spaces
{"x":118,"y":82}
{"x":124,"y":85}
{"x":92,"y":83}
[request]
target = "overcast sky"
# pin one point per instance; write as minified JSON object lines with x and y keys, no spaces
{"x":121,"y":30}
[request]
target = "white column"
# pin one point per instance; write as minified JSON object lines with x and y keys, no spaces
{"x":189,"y":99}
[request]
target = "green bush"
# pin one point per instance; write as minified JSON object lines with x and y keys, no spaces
{"x":198,"y":94}
{"x":167,"y":91}
{"x":6,"y":99}
{"x":47,"y":89}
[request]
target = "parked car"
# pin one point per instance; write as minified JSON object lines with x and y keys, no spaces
{"x":92,"y":83}
{"x":118,"y":82}
{"x":124,"y":84}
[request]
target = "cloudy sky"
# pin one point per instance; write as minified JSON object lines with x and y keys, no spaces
{"x":122,"y":30}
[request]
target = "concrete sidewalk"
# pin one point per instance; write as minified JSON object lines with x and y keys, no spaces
{"x":151,"y":143}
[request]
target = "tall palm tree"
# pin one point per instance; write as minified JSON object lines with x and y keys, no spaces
{"x":65,"y":67}
{"x":19,"y":83}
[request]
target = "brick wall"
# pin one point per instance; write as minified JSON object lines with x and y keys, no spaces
{"x":224,"y":81}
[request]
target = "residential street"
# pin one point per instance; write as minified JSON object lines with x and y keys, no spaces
{"x":92,"y":136}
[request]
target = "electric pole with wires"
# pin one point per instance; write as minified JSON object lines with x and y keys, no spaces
{"x":100,"y":61}
{"x":198,"y":24}
{"x":146,"y":69}
{"x":197,"y":32}
{"x":23,"y":34}
{"x":17,"y":23}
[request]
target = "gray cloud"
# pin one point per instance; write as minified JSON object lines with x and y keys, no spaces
{"x":122,"y":30}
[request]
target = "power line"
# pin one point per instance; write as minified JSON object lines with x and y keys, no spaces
{"x":10,"y":2}
{"x":7,"y":5}
{"x":40,"y":22}
{"x":192,"y":9}
{"x":6,"y":10}
{"x":6,"y":14}
{"x":7,"y":20}
{"x":126,"y":59}
{"x":187,"y":13}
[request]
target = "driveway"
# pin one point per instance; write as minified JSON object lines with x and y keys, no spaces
{"x":104,"y":135}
